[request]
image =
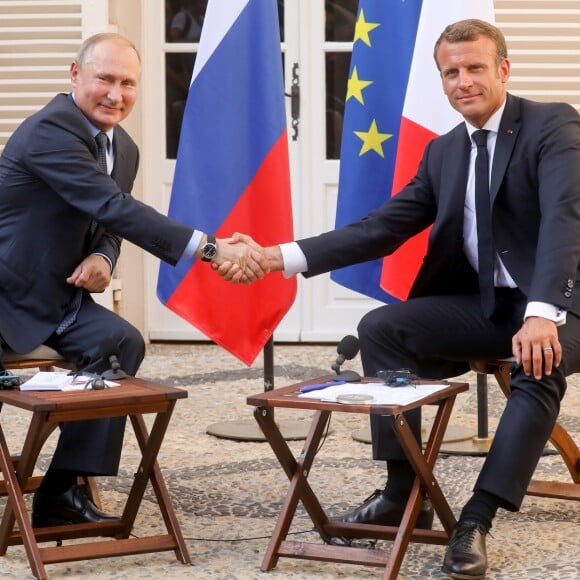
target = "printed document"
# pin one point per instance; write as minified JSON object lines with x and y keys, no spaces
{"x":381,"y":394}
{"x":59,"y":381}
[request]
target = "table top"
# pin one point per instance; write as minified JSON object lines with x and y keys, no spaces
{"x":131,"y":392}
{"x":288,"y":397}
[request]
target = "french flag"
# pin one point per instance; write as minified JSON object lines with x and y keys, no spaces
{"x":426,"y":114}
{"x":395,"y":105}
{"x":232,"y":174}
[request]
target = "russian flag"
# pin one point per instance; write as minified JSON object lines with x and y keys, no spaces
{"x":232,"y":174}
{"x":399,"y":106}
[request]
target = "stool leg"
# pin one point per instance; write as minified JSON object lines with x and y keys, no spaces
{"x":482,"y":407}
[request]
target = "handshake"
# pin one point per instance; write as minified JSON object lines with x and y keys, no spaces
{"x":241,"y":260}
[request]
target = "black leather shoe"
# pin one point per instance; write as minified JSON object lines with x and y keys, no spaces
{"x":466,"y":556}
{"x":379,"y":510}
{"x":74,"y":506}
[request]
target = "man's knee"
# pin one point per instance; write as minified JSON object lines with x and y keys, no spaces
{"x":131,"y":347}
{"x":373,"y":324}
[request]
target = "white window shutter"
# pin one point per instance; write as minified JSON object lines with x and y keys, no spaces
{"x":38,"y":41}
{"x":544,"y":48}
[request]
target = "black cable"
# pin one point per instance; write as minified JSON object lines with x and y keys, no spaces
{"x":323,"y":440}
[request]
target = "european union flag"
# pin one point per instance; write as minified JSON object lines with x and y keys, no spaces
{"x":381,"y":59}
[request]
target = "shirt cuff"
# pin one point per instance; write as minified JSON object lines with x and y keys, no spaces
{"x":545,"y":310}
{"x":294,"y":259}
{"x":192,"y":245}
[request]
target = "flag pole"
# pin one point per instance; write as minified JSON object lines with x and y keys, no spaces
{"x":248,"y":429}
{"x":269,"y":365}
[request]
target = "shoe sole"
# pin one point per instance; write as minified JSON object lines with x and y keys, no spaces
{"x":50,"y":522}
{"x":459,"y":576}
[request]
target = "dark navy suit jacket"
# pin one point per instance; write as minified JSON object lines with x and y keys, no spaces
{"x":51,"y":189}
{"x":535,"y":189}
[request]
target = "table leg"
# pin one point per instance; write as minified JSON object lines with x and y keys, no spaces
{"x":297,"y":472}
{"x":422,"y":463}
{"x":158,"y":482}
{"x":16,"y":510}
{"x":36,"y":436}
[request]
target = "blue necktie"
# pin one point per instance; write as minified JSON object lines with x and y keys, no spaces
{"x":102,"y":140}
{"x":485,"y":245}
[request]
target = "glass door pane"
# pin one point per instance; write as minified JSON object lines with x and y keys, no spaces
{"x":340,"y":18}
{"x":183,"y":23}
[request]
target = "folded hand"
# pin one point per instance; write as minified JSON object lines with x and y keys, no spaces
{"x":92,"y":274}
{"x":536,"y":346}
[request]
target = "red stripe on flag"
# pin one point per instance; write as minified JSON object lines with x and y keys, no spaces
{"x":400,"y":269}
{"x":239,"y":318}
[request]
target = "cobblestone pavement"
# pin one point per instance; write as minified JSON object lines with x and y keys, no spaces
{"x":228,"y":493}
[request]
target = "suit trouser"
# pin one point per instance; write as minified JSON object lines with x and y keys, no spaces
{"x":435,"y":337}
{"x":94,"y":447}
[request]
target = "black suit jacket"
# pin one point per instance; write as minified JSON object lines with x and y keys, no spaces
{"x":535,"y":189}
{"x":51,"y":189}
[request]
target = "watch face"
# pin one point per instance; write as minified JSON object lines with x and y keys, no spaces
{"x":209,"y":251}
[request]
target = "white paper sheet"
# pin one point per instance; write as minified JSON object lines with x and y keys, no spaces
{"x":381,"y":394}
{"x":58,"y":381}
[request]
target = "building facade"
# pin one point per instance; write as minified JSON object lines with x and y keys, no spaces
{"x":38,"y":39}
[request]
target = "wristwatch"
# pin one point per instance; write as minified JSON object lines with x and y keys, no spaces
{"x":209,"y":249}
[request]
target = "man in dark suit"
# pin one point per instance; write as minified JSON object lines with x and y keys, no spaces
{"x":532,"y":308}
{"x":62,"y":217}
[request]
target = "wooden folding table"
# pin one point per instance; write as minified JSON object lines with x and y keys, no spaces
{"x":133,"y":398}
{"x":298,"y":470}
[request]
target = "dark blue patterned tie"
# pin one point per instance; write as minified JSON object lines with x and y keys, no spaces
{"x":102,"y":140}
{"x":485,"y":245}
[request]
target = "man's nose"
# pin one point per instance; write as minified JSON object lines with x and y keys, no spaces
{"x":114,"y":92}
{"x":464,"y":79}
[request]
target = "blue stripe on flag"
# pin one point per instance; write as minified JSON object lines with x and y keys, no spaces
{"x":366,"y":178}
{"x":227,"y":130}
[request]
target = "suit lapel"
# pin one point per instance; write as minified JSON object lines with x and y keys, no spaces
{"x":122,"y":168}
{"x":506,"y":140}
{"x":119,"y":154}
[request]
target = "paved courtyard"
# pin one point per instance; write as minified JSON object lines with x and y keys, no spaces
{"x":227,"y":493}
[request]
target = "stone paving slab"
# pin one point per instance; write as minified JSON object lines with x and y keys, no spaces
{"x":228,"y":493}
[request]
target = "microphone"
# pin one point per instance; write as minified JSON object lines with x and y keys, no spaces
{"x":347,"y":349}
{"x":109,"y":350}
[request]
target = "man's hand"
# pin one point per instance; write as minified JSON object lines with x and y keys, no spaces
{"x":240,"y":259}
{"x":536,"y":346}
{"x":270,"y":260}
{"x":92,"y":274}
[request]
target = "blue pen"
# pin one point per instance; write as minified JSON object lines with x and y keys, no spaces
{"x":320,"y":386}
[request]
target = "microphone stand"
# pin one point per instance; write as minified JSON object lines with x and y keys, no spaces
{"x":248,"y":430}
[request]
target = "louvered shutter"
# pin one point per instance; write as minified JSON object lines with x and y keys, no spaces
{"x":38,"y":40}
{"x":543,"y":39}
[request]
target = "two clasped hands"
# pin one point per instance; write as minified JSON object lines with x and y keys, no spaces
{"x":241,"y":260}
